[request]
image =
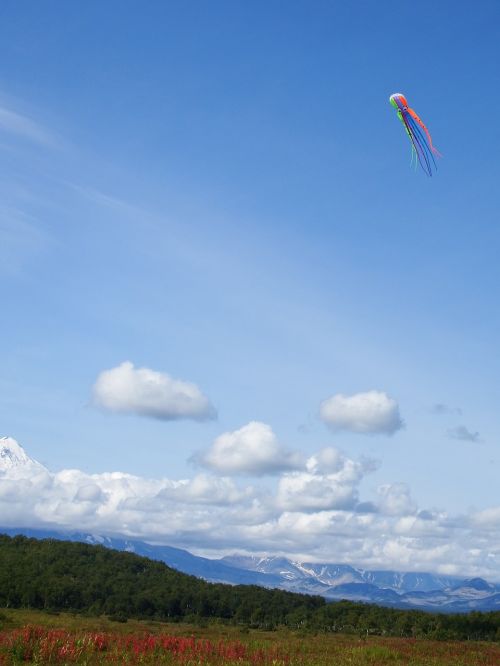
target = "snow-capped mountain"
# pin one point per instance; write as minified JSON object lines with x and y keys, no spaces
{"x":410,"y":581}
{"x":297,"y":572}
{"x":388,"y":588}
{"x":13,"y":457}
{"x":333,"y":581}
{"x":334,"y":575}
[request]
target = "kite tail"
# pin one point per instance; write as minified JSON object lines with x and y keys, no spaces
{"x":419,"y":143}
{"x":429,"y":138}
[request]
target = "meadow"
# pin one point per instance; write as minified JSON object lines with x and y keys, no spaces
{"x":36,"y":637}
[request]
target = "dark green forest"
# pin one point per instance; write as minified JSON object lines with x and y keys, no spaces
{"x":67,"y":576}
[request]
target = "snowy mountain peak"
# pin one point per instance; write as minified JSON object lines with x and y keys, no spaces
{"x":13,"y":457}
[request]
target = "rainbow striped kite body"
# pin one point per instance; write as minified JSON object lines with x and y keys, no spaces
{"x":422,"y":149}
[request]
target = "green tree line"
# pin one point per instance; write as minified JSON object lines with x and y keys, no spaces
{"x":67,"y":576}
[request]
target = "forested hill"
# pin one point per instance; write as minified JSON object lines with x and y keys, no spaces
{"x":61,"y":575}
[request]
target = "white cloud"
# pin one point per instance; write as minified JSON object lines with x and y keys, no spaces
{"x":326,"y":460}
{"x":488,"y":518}
{"x":206,"y":489}
{"x":150,"y":393}
{"x":330,"y":482}
{"x":89,"y":492}
{"x":395,"y":499}
{"x":331,"y":460}
{"x":309,"y":514}
{"x":373,"y":412}
{"x":253,"y":449}
{"x":302,"y":491}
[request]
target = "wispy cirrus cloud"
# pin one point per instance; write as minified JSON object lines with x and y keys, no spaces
{"x":12,"y":122}
{"x":21,"y":238}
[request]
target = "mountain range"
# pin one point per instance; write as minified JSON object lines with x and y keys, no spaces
{"x":423,"y":591}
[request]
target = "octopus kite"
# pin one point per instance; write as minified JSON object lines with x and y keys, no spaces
{"x":422,"y":150}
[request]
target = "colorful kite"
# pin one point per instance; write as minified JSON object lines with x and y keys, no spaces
{"x":422,"y":149}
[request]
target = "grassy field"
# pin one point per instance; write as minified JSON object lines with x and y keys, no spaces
{"x":41,"y":638}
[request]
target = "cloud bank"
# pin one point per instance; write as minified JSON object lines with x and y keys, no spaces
{"x":146,"y":392}
{"x":371,"y":413}
{"x":314,"y":513}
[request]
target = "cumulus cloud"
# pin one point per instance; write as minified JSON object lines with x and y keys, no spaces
{"x":325,"y":461}
{"x":253,"y":449}
{"x":146,"y":392}
{"x":463,"y":433}
{"x":89,"y":492}
{"x":302,"y":491}
{"x":373,"y":412}
{"x":488,"y":518}
{"x":395,"y":500}
{"x":330,"y":481}
{"x":205,"y":489}
{"x":332,"y":461}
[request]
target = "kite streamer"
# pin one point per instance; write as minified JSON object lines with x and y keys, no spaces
{"x":422,"y":150}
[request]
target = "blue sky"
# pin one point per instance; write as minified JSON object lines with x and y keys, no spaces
{"x":221,"y":192}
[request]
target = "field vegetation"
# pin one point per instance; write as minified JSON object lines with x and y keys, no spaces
{"x":37,"y":637}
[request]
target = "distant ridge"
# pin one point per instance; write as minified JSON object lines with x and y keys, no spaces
{"x":423,"y":591}
{"x":53,"y":575}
